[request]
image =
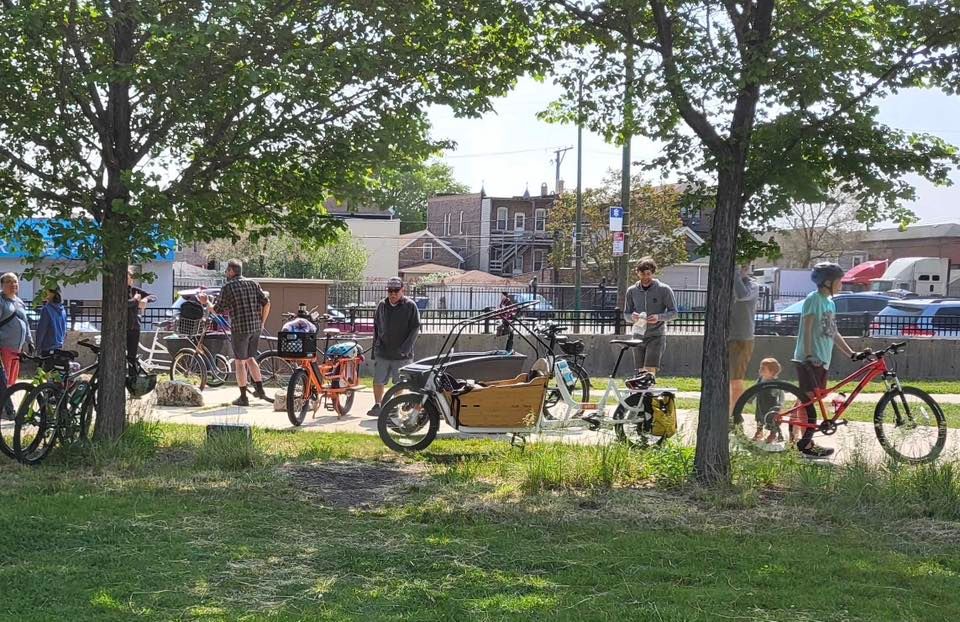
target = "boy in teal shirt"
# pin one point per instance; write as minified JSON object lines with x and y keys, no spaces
{"x":815,"y":341}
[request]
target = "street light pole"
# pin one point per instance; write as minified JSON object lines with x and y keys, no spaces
{"x":578,"y":243}
{"x":622,"y":266}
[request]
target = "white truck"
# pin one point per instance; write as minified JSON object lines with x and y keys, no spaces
{"x":785,"y":285}
{"x":924,"y":276}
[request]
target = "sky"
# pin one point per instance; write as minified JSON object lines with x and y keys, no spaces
{"x":509,"y":150}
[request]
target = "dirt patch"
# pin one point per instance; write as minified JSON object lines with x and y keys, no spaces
{"x":357,"y":485}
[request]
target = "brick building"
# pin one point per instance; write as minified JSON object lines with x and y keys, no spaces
{"x":915,"y":241}
{"x":499,"y":235}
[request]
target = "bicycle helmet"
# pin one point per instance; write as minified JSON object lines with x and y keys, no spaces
{"x":825,"y":272}
{"x":141,"y":384}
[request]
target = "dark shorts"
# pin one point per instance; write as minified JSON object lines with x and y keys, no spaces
{"x":244,"y":345}
{"x":650,"y":353}
{"x":739,"y":352}
{"x":809,"y":378}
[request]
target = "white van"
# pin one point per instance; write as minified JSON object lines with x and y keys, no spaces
{"x":925,"y":276}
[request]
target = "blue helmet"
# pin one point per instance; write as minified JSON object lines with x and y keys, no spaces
{"x":825,"y":272}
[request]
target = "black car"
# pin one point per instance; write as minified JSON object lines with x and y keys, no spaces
{"x":854,"y":313}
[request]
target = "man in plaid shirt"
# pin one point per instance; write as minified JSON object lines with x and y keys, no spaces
{"x":248,"y":307}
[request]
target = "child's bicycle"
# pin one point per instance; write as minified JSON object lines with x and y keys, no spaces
{"x":908,"y":422}
{"x":329,"y":378}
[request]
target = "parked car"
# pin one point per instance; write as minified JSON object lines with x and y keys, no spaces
{"x":363,"y":322}
{"x":33,"y":318}
{"x":541,"y":307}
{"x":854,"y":314}
{"x":918,"y":317}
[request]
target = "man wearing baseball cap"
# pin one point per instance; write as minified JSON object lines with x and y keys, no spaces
{"x":396,"y":325}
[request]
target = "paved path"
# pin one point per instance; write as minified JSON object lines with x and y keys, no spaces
{"x":856,"y":436}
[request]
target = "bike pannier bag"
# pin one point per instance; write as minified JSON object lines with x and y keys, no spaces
{"x":664,"y":408}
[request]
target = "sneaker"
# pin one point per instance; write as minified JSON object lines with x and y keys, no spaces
{"x":374,"y":411}
{"x":816,"y":451}
{"x":263,"y":396}
{"x":241,"y":401}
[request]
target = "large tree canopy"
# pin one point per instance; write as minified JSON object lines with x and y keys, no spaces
{"x":770,"y":101}
{"x":145,"y":119}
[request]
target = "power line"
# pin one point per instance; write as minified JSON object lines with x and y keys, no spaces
{"x":495,"y":153}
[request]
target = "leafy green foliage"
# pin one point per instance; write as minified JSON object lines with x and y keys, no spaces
{"x":343,"y":258}
{"x":653,"y":227}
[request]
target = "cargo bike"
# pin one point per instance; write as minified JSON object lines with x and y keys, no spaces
{"x":637,"y":413}
{"x":322,"y":377}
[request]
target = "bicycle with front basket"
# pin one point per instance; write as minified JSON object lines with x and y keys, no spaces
{"x":908,"y":422}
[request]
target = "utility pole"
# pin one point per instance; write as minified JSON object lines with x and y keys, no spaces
{"x":558,"y":158}
{"x":623,"y":266}
{"x":578,"y":242}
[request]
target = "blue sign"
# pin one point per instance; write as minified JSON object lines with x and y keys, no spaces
{"x":47,"y":229}
{"x":616,"y":218}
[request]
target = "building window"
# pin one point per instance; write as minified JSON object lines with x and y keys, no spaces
{"x":427,"y":250}
{"x":538,"y":260}
{"x":501,"y":219}
{"x":519,"y":221}
{"x":518,"y":264}
{"x":446,"y":225}
{"x":461,"y":223}
{"x":540,"y":220}
{"x":857,"y":260}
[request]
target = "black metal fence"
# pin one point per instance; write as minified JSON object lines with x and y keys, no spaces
{"x":602,"y":297}
{"x":598,"y":321}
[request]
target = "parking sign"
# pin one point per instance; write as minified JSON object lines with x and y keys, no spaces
{"x":616,"y":218}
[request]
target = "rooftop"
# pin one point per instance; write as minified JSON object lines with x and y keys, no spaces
{"x":914,"y":232}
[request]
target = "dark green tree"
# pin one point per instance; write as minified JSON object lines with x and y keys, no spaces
{"x":141,"y":120}
{"x":768,"y":101}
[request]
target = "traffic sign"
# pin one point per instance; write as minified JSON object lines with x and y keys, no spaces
{"x":617,"y":243}
{"x":616,"y":218}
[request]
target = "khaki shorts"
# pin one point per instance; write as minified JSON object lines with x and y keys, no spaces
{"x":740,"y":352}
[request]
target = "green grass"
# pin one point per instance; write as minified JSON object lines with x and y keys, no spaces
{"x":861,"y":411}
{"x":693,"y":384}
{"x":164,"y":526}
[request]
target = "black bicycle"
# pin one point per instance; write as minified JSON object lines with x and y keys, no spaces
{"x":58,"y":410}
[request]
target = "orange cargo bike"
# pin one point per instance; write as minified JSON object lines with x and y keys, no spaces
{"x":327,"y":378}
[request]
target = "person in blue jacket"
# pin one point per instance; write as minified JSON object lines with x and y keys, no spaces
{"x":52,"y":328}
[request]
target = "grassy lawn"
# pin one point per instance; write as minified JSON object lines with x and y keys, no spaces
{"x":858,"y":411}
{"x":164,"y":526}
{"x":693,"y":384}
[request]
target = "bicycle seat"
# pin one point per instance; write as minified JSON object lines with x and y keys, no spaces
{"x":331,"y":331}
{"x":628,"y":343}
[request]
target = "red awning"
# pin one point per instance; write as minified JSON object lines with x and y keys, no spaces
{"x":862,"y":273}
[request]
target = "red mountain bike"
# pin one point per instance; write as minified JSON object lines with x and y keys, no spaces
{"x":908,"y":422}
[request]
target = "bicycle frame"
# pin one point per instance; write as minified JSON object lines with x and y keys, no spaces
{"x":863,"y":376}
{"x":321,"y":373}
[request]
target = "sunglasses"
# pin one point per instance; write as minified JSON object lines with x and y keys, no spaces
{"x":393,"y":290}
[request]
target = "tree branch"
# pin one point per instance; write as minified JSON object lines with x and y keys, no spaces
{"x":695,"y":119}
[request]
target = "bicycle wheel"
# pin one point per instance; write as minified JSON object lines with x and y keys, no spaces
{"x":76,"y":413}
{"x":299,"y":393}
{"x":36,"y":425}
{"x":579,"y":389}
{"x":10,"y":399}
{"x":218,"y":370}
{"x":395,"y":390}
{"x":406,"y":424}
{"x":189,"y":367}
{"x":910,"y":425}
{"x":276,"y":370}
{"x":343,"y":402}
{"x":759,"y":408}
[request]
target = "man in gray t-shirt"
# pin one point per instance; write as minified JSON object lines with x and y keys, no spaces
{"x":746,"y":291}
{"x":655,"y":299}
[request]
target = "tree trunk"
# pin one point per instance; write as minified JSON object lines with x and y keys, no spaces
{"x":712,"y":463}
{"x":112,"y":417}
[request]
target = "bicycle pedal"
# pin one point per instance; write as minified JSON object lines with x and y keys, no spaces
{"x":840,"y":422}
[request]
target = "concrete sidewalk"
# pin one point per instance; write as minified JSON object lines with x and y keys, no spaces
{"x":855,"y":437}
